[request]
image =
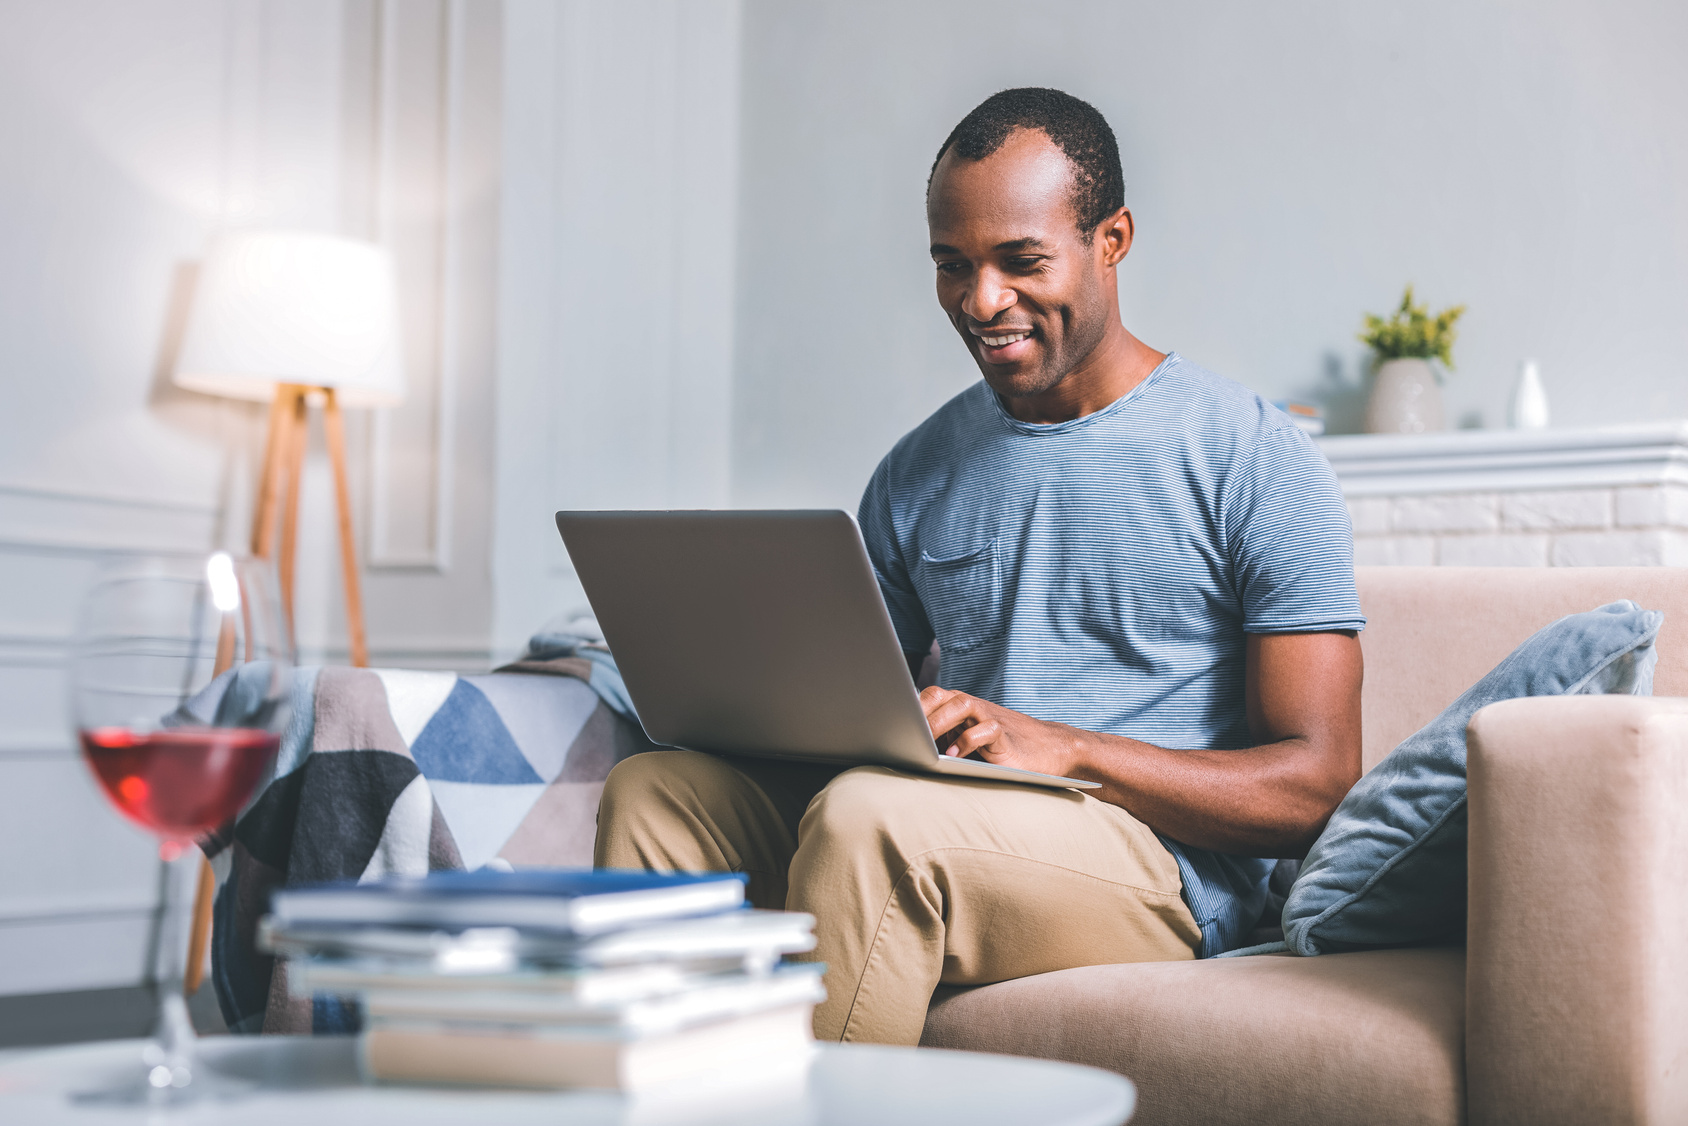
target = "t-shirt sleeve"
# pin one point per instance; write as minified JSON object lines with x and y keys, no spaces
{"x":908,"y":616}
{"x":1290,"y":540}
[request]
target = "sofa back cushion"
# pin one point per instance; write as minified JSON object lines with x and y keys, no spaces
{"x":1389,"y":869}
{"x":1433,"y":632}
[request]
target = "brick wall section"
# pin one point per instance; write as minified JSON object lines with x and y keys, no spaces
{"x":1630,"y":526}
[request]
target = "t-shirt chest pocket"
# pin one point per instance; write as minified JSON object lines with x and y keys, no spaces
{"x":962,"y":596}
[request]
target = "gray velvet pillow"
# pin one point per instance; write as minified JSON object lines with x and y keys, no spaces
{"x":1389,"y":869}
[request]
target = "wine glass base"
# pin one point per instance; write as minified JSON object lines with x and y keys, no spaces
{"x":155,"y":1085}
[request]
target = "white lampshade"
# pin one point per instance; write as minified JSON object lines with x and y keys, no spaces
{"x":284,"y":307}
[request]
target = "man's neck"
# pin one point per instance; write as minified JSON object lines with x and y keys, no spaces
{"x":1118,"y":363}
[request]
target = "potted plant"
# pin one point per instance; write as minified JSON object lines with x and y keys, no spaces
{"x":1406,"y":397}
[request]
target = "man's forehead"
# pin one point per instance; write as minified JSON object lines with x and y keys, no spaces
{"x":1027,"y":184}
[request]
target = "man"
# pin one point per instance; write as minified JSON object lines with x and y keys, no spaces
{"x":1137,"y":573}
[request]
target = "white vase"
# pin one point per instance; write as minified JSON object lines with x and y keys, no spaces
{"x":1529,"y":399}
{"x":1405,"y":399}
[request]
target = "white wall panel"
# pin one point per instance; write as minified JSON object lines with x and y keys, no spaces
{"x":410,"y":501}
{"x":80,"y":892}
{"x":128,"y":133}
{"x":428,"y":190}
{"x":93,"y":950}
{"x":616,"y":276}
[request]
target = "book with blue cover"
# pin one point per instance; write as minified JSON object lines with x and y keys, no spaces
{"x":567,"y":901}
{"x":735,"y":938}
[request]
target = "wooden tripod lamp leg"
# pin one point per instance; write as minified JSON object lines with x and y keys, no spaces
{"x":199,"y":934}
{"x":277,"y":487}
{"x":270,"y":484}
{"x":293,"y":467}
{"x":334,"y":428}
{"x":284,"y":456}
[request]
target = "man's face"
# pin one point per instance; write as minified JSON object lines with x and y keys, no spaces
{"x":1028,"y":294}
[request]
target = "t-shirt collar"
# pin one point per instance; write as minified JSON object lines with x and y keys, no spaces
{"x":1083,"y":420}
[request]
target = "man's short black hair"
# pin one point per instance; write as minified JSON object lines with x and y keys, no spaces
{"x":1076,"y":128}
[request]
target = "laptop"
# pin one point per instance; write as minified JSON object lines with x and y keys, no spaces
{"x":760,"y":633}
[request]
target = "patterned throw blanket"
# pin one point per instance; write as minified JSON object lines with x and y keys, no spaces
{"x":385,"y":771}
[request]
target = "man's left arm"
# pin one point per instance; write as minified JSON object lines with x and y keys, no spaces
{"x":1271,"y":799}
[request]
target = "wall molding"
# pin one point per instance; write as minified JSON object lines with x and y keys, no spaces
{"x":34,"y":650}
{"x":437,"y":236}
{"x":93,"y":951}
{"x":42,"y":520}
{"x":1465,"y":461}
{"x":39,"y":492}
{"x":67,"y":908}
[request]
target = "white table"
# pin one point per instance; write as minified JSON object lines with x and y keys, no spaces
{"x":301,"y":1081}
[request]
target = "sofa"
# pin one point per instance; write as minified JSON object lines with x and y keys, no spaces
{"x":1568,"y":1002}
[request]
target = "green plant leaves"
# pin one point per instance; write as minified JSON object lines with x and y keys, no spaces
{"x":1412,"y":333}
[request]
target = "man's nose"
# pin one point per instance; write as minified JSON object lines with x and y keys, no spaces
{"x":987,"y":297}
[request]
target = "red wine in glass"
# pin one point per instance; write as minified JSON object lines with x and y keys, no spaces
{"x":180,"y":690}
{"x":179,"y":783}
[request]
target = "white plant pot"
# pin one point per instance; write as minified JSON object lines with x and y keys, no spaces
{"x":1405,"y":399}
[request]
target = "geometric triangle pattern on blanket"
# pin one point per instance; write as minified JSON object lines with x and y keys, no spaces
{"x":413,"y":696}
{"x":409,"y":771}
{"x":542,"y":714}
{"x":466,"y":741}
{"x":481,"y":818}
{"x":345,"y":800}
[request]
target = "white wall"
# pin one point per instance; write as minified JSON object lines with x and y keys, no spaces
{"x":128,"y":134}
{"x":582,"y":357}
{"x":1290,"y":166}
{"x":616,"y":277}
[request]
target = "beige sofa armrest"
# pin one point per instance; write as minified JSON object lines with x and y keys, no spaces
{"x":1577,"y":970}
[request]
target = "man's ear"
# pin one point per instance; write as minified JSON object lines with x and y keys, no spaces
{"x":1113,"y":237}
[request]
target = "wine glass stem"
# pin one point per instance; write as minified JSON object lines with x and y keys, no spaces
{"x":173,"y":1067}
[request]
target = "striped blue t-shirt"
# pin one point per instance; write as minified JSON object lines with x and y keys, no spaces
{"x":1102,"y":572}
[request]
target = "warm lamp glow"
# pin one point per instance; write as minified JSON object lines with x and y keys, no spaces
{"x":283,"y":307}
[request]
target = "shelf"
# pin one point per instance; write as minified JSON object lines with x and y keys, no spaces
{"x":1465,"y":461}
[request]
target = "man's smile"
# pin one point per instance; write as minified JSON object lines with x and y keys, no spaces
{"x":1003,"y":345}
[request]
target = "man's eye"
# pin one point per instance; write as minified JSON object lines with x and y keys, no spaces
{"x":1025,"y":263}
{"x":949,"y":267}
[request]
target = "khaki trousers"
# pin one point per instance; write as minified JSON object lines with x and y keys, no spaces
{"x":913,"y":880}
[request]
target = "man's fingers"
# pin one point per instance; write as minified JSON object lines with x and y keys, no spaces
{"x":946,"y":715}
{"x":931,"y":696}
{"x":980,"y":737}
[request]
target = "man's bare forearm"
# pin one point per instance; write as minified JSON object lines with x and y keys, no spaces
{"x":1270,"y":800}
{"x":1302,"y":702}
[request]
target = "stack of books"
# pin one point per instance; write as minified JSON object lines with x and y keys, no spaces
{"x":556,"y":978}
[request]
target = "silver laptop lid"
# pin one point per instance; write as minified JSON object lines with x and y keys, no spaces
{"x":760,"y":633}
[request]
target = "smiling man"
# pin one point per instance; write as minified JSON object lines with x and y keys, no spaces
{"x":1137,"y":572}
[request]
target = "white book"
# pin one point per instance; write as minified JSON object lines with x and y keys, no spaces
{"x":773,"y":1042}
{"x":308,"y":976}
{"x":747,"y":934}
{"x":705,"y":1002}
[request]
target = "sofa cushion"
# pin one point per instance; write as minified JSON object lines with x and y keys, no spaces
{"x":1432,"y":632}
{"x":1389,"y":868}
{"x":1374,"y":1037}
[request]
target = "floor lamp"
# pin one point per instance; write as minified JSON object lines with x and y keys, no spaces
{"x":291,"y":318}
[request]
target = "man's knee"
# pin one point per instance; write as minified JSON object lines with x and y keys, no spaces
{"x":662,"y":777}
{"x":660,"y":810}
{"x":866,"y":805}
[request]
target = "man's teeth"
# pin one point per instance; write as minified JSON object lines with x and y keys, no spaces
{"x":999,"y":341}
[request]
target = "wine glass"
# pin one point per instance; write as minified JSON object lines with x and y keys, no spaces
{"x":179,"y":693}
